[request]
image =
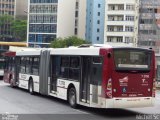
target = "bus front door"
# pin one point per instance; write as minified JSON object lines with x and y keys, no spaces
{"x":85,"y":79}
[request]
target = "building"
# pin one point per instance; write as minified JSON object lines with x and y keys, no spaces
{"x":121,"y":21}
{"x":95,"y":21}
{"x":21,"y":7}
{"x":50,"y":19}
{"x":149,"y":23}
{"x":149,"y":28}
{"x":13,"y":8}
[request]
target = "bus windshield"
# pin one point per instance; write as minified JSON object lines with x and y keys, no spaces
{"x":130,"y":59}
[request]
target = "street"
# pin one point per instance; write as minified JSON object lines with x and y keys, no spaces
{"x":37,"y":107}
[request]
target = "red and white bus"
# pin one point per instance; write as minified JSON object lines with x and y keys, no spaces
{"x":100,"y":77}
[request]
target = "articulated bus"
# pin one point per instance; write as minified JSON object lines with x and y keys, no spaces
{"x":100,"y":77}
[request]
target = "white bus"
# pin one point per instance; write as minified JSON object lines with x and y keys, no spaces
{"x":101,"y":77}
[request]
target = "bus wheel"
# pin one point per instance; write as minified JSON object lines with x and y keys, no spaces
{"x":72,"y":97}
{"x":30,"y":87}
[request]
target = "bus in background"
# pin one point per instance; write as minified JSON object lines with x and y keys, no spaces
{"x":9,"y":67}
{"x":2,"y":61}
{"x":100,"y":77}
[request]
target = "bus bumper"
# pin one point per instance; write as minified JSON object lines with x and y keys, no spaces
{"x":130,"y":102}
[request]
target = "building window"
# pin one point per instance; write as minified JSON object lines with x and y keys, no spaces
{"x":98,"y":21}
{"x":76,"y":14}
{"x":120,"y":7}
{"x":119,"y":28}
{"x":129,"y":18}
{"x":129,"y":7}
{"x":75,"y":31}
{"x":98,"y":30}
{"x":111,"y":7}
{"x":128,"y":39}
{"x":97,"y":38}
{"x":76,"y":22}
{"x":77,"y":5}
{"x":99,"y":13}
{"x":110,"y":18}
{"x":99,"y":5}
{"x":110,"y":28}
{"x":129,"y":28}
{"x":119,"y":39}
{"x":110,"y":39}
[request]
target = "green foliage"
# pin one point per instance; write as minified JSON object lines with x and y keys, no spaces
{"x":5,"y":19}
{"x":66,"y":42}
{"x":17,"y":26}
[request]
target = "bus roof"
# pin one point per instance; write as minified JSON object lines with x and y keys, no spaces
{"x":82,"y":50}
{"x":28,"y":53}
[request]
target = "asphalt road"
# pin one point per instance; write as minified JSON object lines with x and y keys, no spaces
{"x":18,"y":104}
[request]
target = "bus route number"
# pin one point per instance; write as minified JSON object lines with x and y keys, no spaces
{"x":145,"y":76}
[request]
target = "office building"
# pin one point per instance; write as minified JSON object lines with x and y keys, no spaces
{"x":95,"y":21}
{"x":50,"y":19}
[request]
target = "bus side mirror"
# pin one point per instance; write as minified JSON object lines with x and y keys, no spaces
{"x":109,"y":55}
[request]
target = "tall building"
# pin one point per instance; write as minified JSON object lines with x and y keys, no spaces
{"x":121,"y":21}
{"x":149,"y":28}
{"x":148,"y":35}
{"x":95,"y":21}
{"x":50,"y":19}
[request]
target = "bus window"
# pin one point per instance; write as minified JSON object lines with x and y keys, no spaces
{"x":22,"y":65}
{"x":74,"y":71}
{"x":97,"y":70}
{"x":35,"y":66}
{"x":28,"y":65}
{"x":132,"y":60}
{"x":64,"y":69}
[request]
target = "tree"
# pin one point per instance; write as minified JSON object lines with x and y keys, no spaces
{"x":5,"y":23}
{"x":5,"y":19}
{"x":19,"y":28}
{"x":66,"y":42}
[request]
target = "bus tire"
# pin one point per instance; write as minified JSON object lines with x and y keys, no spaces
{"x":31,"y":87}
{"x":72,"y":97}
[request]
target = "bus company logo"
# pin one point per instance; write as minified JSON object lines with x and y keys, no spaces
{"x":109,"y":84}
{"x":144,"y":82}
{"x":124,"y":81}
{"x":109,"y":88}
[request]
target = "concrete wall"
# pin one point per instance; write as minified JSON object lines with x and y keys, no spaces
{"x":82,"y":19}
{"x":21,"y":9}
{"x":65,"y":18}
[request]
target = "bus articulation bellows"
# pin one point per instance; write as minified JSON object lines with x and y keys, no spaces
{"x":100,"y":77}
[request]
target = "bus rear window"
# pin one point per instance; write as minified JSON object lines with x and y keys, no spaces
{"x":132,"y":59}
